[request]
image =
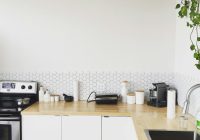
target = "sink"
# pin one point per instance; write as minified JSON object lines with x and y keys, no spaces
{"x":171,"y":135}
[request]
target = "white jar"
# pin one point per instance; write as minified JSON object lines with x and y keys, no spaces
{"x":41,"y":94}
{"x":52,"y":98}
{"x":139,"y":97}
{"x":57,"y":98}
{"x":130,"y":98}
{"x":124,"y":90}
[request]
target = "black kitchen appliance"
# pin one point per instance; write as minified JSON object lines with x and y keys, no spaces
{"x":68,"y":98}
{"x":15,"y":96}
{"x":104,"y":98}
{"x":158,"y":95}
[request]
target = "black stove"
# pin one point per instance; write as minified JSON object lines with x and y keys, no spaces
{"x":15,"y":96}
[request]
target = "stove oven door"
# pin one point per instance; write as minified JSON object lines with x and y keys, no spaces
{"x":10,"y":128}
{"x":5,"y":132}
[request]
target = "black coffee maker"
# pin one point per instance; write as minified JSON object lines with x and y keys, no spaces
{"x":158,"y":95}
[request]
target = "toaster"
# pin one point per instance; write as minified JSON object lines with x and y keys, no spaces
{"x":106,"y":99}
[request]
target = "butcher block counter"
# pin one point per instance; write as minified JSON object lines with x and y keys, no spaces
{"x":144,"y":116}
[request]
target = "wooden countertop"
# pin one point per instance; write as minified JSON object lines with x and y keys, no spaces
{"x":144,"y":117}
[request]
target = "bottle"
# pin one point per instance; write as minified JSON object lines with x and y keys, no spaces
{"x":41,"y":94}
{"x":198,"y":120}
{"x":124,"y":91}
{"x":46,"y":96}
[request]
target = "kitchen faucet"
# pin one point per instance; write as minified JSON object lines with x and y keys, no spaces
{"x":187,"y":101}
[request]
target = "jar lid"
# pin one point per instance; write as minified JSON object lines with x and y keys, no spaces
{"x":131,"y":94}
{"x":139,"y":90}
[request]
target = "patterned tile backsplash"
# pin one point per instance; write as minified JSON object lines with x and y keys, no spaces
{"x":107,"y":82}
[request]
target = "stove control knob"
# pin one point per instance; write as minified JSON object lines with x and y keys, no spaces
{"x":30,"y":87}
{"x":19,"y":109}
{"x":23,"y":87}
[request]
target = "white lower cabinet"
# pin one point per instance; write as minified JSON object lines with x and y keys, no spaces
{"x":41,"y":127}
{"x":49,"y":127}
{"x":118,"y":128}
{"x":81,"y":128}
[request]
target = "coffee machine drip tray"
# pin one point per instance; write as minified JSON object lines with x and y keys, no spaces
{"x":154,"y":102}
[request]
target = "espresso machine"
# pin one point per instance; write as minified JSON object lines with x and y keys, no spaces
{"x":158,"y":95}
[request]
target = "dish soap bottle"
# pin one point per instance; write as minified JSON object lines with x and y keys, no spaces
{"x":198,"y":120}
{"x":41,"y":94}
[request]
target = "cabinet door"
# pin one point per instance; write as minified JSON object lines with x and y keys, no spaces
{"x":41,"y":127}
{"x":81,"y":128}
{"x":118,"y":128}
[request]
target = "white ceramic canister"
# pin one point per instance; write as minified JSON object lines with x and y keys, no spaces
{"x":139,"y":95}
{"x":52,"y":98}
{"x":57,"y":98}
{"x":131,"y":98}
{"x":124,"y":90}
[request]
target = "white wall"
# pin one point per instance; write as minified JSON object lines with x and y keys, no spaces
{"x":93,"y":35}
{"x":186,"y":73}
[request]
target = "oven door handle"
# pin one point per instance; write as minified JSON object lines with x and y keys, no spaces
{"x":9,"y":118}
{"x":6,"y":115}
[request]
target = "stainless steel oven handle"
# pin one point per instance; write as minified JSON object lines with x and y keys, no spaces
{"x":6,"y":115}
{"x":9,"y":118}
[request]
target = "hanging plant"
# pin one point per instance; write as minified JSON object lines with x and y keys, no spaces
{"x":190,"y":9}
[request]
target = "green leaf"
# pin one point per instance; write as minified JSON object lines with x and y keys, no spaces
{"x":198,"y":38}
{"x":184,"y":10}
{"x":192,"y":47}
{"x":187,"y":3}
{"x":192,"y":14}
{"x":198,"y":66}
{"x":178,"y":6}
{"x":180,"y":14}
{"x":196,"y":56}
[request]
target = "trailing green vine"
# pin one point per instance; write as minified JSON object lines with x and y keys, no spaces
{"x":190,"y":9}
